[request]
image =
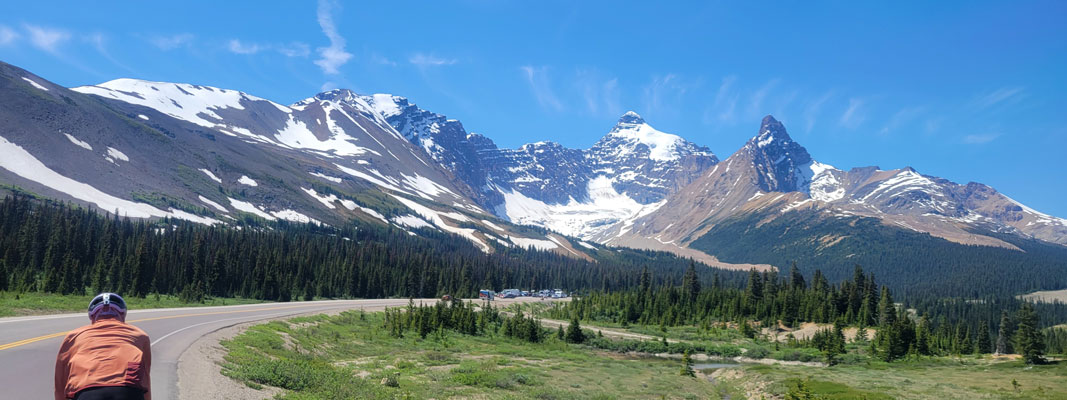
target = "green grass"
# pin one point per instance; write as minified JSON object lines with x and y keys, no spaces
{"x":36,"y":303}
{"x":934,"y":378}
{"x":349,"y":356}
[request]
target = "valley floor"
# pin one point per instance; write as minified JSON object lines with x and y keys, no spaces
{"x":352,"y":355}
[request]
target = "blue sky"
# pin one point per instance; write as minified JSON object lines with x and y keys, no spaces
{"x":969,"y":91}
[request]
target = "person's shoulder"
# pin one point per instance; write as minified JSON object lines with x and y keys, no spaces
{"x":74,"y":333}
{"x":134,"y":329}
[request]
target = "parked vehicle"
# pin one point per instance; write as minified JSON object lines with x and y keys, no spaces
{"x":510,"y":293}
{"x":485,"y":294}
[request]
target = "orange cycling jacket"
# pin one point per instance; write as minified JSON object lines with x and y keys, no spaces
{"x":106,"y":353}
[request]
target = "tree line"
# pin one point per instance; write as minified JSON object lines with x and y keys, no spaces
{"x":767,"y":300}
{"x":58,"y":248}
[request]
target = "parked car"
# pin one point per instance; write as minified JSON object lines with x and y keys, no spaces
{"x":510,"y":293}
{"x":486,"y":294}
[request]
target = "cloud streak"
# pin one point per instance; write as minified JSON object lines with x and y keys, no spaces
{"x":725,"y":105}
{"x":999,"y":96}
{"x":47,"y":39}
{"x":8,"y":36}
{"x":235,"y":46}
{"x":172,"y":42}
{"x":853,"y":115}
{"x":537,"y":78}
{"x":811,"y":112}
{"x":334,"y":56}
{"x":430,"y":60}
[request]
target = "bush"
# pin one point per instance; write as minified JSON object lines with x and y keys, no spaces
{"x":757,"y":352}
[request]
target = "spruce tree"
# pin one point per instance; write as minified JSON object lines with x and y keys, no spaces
{"x":691,"y":283}
{"x":985,"y":343}
{"x":574,"y":332}
{"x":1029,"y":341}
{"x":687,"y":365}
{"x":1004,"y":334}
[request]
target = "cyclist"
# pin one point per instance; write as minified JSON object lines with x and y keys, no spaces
{"x":107,"y":359}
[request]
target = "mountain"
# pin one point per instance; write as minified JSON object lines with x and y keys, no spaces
{"x":772,"y":198}
{"x":629,"y":172}
{"x":216,"y":156}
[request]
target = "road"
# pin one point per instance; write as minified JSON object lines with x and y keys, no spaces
{"x":28,"y":345}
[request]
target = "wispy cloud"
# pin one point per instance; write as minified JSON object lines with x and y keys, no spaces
{"x":1004,"y":95}
{"x":430,"y":60}
{"x":294,"y":49}
{"x":755,"y":105}
{"x":99,"y":42}
{"x":982,"y":138}
{"x":664,"y":91}
{"x":173,"y":41}
{"x":813,"y":108}
{"x":7,"y":35}
{"x":334,"y":56}
{"x":382,"y":60}
{"x":47,"y":39}
{"x":537,"y":77}
{"x":236,"y":46}
{"x":853,"y":115}
{"x":902,"y":117}
{"x":725,"y":106}
{"x":601,"y":94}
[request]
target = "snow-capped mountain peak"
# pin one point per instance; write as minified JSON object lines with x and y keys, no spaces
{"x":634,"y":130}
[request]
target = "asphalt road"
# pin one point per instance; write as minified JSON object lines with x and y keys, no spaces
{"x":28,"y":345}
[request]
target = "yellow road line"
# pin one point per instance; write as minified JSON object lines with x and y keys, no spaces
{"x":58,"y":334}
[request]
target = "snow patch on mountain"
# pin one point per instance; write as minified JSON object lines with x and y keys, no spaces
{"x":906,"y":179}
{"x":438,"y":219}
{"x":295,"y":216}
{"x":35,"y":84}
{"x":22,"y":163}
{"x":412,"y":221}
{"x":538,"y":244}
{"x":821,"y":181}
{"x":327,"y":177}
{"x":245,"y":180}
{"x":605,"y":208}
{"x":250,"y":208}
{"x":662,"y":146}
{"x":80,"y":143}
{"x":211,"y":175}
{"x":385,"y":104}
{"x":114,"y":154}
{"x":187,"y":102}
{"x":208,"y":201}
{"x":1042,"y":218}
{"x":296,"y":134}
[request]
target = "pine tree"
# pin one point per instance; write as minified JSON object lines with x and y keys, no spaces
{"x":3,"y":274}
{"x":687,"y":365}
{"x":691,"y":283}
{"x":985,"y":342}
{"x":1004,"y":334}
{"x":574,"y":332}
{"x":1029,"y":340}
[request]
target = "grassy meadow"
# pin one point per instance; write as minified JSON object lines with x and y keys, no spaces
{"x":37,"y":303}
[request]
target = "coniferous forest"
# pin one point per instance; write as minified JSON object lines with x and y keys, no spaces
{"x":57,"y":248}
